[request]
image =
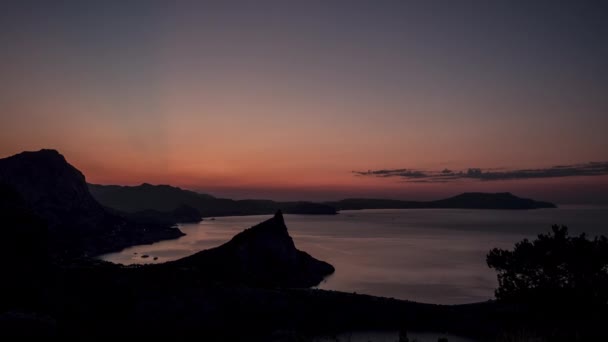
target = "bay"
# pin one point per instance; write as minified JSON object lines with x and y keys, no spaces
{"x":425,"y":255}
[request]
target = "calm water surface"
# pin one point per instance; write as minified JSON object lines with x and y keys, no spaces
{"x":426,"y":255}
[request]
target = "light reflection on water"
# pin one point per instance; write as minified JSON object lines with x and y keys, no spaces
{"x":426,"y":255}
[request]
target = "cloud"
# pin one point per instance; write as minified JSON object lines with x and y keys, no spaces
{"x":447,"y":175}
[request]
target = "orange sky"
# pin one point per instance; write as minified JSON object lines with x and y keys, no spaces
{"x":286,"y":101}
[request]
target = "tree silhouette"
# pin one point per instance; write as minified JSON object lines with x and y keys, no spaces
{"x":553,"y":268}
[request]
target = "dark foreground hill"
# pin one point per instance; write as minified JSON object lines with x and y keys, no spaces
{"x":467,"y":200}
{"x":253,"y":288}
{"x":198,"y":297}
{"x":249,"y":289}
{"x":51,"y":190}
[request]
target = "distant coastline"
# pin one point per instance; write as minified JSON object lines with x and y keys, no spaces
{"x":258,"y":279}
{"x":467,"y":200}
{"x":165,"y":198}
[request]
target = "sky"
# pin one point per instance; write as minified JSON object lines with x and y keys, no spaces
{"x":314,"y":99}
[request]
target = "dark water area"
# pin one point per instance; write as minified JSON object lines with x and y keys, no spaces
{"x":425,"y":255}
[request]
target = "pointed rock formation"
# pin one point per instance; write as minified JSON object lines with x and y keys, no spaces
{"x":262,"y":255}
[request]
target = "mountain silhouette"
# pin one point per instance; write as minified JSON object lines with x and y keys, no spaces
{"x":165,"y":198}
{"x":250,"y":288}
{"x":181,"y":214}
{"x":481,"y":200}
{"x":57,"y":193}
{"x":467,"y":200}
{"x":148,"y":200}
{"x":264,"y":254}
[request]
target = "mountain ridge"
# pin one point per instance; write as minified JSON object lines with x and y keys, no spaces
{"x":466,"y":200}
{"x":167,"y":198}
{"x":151,"y":197}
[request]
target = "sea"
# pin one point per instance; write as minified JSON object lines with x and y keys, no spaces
{"x":424,"y":255}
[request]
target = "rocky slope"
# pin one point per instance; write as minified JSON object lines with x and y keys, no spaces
{"x":57,"y":193}
{"x":263,"y":255}
{"x":165,"y":198}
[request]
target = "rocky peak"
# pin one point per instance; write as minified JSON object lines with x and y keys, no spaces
{"x":57,"y":193}
{"x":278,"y":218}
{"x":52,"y":187}
{"x":264,"y":254}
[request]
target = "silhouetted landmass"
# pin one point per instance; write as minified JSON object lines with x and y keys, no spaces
{"x":468,"y":200}
{"x":56,"y":193}
{"x":151,"y":200}
{"x":195,"y":298}
{"x":241,"y":290}
{"x":181,"y":214}
{"x":186,"y":214}
{"x":165,"y":198}
{"x":253,"y":287}
{"x":263,"y":255}
{"x":24,"y":250}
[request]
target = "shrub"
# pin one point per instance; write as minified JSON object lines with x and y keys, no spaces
{"x":554,"y":266}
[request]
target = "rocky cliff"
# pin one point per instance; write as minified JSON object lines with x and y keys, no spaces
{"x":264,"y":255}
{"x":57,"y":193}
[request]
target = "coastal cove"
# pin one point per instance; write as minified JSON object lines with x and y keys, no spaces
{"x":425,"y":255}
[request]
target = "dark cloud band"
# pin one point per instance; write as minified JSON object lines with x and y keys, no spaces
{"x":446,"y":175}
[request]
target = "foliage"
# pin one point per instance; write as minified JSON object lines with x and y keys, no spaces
{"x":554,"y":266}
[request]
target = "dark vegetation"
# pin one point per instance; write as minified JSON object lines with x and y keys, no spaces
{"x":560,"y":280}
{"x":555,"y":265}
{"x":254,"y":287}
